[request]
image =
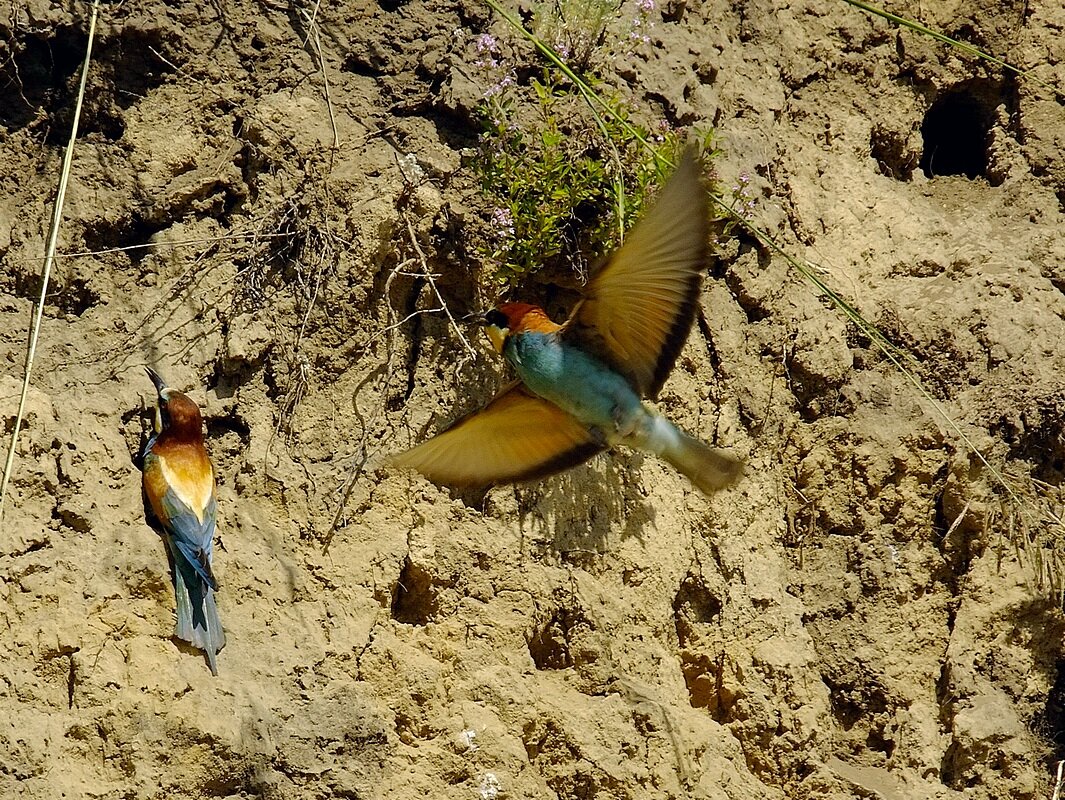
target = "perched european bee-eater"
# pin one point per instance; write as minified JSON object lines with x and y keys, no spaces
{"x":581,"y":384}
{"x":180,"y":487}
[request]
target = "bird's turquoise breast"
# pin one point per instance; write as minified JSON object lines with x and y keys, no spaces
{"x":571,"y":379}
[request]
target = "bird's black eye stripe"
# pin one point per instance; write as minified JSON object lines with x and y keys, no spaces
{"x":496,"y":317}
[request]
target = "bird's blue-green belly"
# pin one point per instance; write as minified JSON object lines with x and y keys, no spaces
{"x":573,"y":380}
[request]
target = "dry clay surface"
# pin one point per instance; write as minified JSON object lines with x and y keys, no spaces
{"x":865,"y":614}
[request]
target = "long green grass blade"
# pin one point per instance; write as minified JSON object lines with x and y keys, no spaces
{"x":965,"y":47}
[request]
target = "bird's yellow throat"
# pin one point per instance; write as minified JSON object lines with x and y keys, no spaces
{"x":497,"y":335}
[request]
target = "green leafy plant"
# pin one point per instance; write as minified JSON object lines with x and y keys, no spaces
{"x":565,"y":175}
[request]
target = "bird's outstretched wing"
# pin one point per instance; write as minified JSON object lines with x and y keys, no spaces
{"x":516,"y":437}
{"x":639,"y":307}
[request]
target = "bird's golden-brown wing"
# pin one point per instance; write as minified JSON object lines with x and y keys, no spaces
{"x":516,"y":437}
{"x":639,"y":307}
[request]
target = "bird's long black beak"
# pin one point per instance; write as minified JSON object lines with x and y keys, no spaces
{"x":475,"y":318}
{"x":160,"y":384}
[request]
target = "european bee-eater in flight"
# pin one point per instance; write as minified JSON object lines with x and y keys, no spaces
{"x":580,"y":385}
{"x":179,"y":484}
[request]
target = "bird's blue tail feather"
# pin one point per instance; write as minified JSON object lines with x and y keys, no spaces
{"x":197,"y":615}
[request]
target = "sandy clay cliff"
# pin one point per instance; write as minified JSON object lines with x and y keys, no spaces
{"x":867,"y":614}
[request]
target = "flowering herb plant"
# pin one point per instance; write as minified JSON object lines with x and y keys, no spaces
{"x":565,"y":179}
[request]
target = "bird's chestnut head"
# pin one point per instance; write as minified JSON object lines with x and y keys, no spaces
{"x":510,"y":318}
{"x":175,"y":414}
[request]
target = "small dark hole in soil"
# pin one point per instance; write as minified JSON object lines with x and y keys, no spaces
{"x":414,"y":599}
{"x":37,"y":75}
{"x":956,"y":130}
{"x":132,"y":233}
{"x":693,"y":605}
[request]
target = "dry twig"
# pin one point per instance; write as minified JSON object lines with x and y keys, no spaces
{"x":312,"y":28}
{"x":49,"y":256}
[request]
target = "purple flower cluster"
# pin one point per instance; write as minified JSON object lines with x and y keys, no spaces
{"x":499,"y":77}
{"x":487,"y":47}
{"x":503,"y":223}
{"x":741,"y":194}
{"x":642,"y":23}
{"x":664,"y":129}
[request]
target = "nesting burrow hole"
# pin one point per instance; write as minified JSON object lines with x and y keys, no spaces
{"x":957,"y":129}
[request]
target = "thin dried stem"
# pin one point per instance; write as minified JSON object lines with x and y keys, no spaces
{"x":49,"y":256}
{"x":311,"y":21}
{"x":386,"y":373}
{"x":426,"y":273}
{"x":312,"y":28}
